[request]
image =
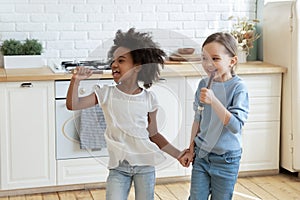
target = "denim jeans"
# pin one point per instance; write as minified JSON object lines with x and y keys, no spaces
{"x":214,"y":175}
{"x":120,"y":179}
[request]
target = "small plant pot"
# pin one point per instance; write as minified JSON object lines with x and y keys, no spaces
{"x":242,"y":56}
{"x":26,"y":61}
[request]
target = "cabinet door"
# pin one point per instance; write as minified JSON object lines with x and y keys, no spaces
{"x":169,"y":93}
{"x":260,"y":146}
{"x":261,"y":134}
{"x":82,"y":170}
{"x":27,"y":135}
{"x":261,"y":131}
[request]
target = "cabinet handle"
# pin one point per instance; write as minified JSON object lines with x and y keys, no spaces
{"x":26,"y":85}
{"x":162,"y":80}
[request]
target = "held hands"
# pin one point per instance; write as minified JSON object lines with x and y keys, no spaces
{"x":186,"y":157}
{"x":81,"y":73}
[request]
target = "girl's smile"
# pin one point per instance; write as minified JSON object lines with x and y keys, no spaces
{"x":122,"y":64}
{"x":220,"y":59}
{"x":116,"y":74}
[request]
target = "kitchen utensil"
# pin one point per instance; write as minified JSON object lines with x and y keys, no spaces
{"x":209,"y":66}
{"x":186,"y":51}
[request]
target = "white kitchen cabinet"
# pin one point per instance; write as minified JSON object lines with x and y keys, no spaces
{"x":191,"y":84}
{"x":261,"y":134}
{"x":27,"y":134}
{"x":169,"y":92}
{"x":82,"y":170}
{"x":262,"y":130}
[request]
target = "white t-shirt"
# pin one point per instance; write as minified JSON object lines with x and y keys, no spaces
{"x":126,"y":119}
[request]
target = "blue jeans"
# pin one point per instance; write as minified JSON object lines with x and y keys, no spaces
{"x":214,"y":175}
{"x":120,"y":179}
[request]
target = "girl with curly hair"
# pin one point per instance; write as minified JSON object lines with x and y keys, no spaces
{"x":133,"y":142}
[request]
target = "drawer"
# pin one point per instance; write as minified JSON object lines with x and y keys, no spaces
{"x":84,"y":170}
{"x":268,"y":85}
{"x":264,"y":109}
{"x":260,"y":109}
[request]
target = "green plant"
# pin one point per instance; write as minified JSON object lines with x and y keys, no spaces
{"x":32,"y":47}
{"x":16,"y":47}
{"x":11,"y":47}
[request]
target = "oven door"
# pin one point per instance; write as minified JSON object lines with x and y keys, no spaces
{"x":67,"y":135}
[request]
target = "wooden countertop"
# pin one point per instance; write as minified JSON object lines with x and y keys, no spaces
{"x":195,"y":69}
{"x":40,"y":74}
{"x":171,"y":69}
{"x":2,"y":74}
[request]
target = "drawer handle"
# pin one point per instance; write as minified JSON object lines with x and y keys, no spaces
{"x":162,"y":80}
{"x":26,"y":85}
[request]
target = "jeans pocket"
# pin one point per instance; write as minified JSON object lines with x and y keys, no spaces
{"x":232,"y":160}
{"x":233,"y":157}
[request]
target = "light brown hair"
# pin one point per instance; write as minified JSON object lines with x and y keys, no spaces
{"x":227,"y":40}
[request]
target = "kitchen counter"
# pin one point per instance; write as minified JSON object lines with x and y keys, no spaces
{"x":2,"y":74}
{"x":195,"y":69}
{"x":171,"y":69}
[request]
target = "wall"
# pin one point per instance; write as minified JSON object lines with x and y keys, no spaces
{"x":259,"y":10}
{"x":77,"y":29}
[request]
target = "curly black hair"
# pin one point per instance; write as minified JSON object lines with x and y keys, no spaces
{"x":143,"y":51}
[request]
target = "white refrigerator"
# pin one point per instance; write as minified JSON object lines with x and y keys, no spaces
{"x":281,"y":46}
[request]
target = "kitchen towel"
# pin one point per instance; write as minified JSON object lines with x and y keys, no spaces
{"x":92,"y":128}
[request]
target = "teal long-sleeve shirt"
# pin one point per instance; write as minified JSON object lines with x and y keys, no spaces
{"x":214,"y":136}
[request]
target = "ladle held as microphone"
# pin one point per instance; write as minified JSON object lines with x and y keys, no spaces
{"x":210,"y":81}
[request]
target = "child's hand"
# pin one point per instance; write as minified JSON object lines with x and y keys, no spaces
{"x":186,"y":158}
{"x":206,"y":95}
{"x":81,"y":73}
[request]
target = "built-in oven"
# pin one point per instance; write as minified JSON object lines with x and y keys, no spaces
{"x":68,"y":122}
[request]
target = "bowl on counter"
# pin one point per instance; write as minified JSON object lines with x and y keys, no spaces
{"x":186,"y":51}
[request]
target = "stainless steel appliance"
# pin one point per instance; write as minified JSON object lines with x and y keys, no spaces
{"x":98,"y":66}
{"x":67,"y":122}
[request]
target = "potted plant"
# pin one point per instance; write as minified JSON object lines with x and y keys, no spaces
{"x":244,"y":31}
{"x":19,"y":54}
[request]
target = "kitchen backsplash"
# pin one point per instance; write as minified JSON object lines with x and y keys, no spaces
{"x":78,"y":29}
